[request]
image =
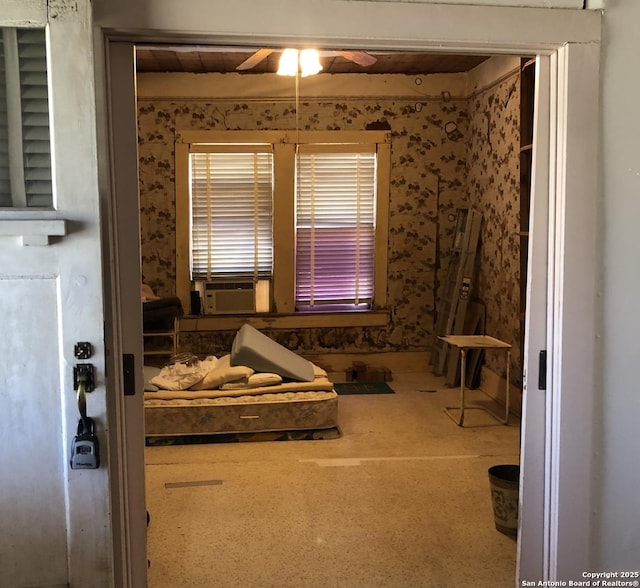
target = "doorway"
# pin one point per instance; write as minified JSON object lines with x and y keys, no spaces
{"x":583,"y":61}
{"x":415,"y":123}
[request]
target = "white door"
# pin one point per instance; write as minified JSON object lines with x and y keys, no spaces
{"x":54,"y":518}
{"x":531,"y":540}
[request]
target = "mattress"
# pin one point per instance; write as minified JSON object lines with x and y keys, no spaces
{"x":236,"y":406}
{"x":279,"y":411}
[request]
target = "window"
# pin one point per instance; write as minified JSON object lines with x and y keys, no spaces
{"x":306,"y":211}
{"x":25,"y":159}
{"x":335,"y":227}
{"x":231,"y":213}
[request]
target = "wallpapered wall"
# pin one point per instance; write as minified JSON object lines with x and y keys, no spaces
{"x":493,"y":187}
{"x":436,"y":146}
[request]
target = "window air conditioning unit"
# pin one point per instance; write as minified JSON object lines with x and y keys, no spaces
{"x":229,"y":297}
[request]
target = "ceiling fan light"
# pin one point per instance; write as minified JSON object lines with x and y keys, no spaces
{"x":309,"y":62}
{"x":288,"y":65}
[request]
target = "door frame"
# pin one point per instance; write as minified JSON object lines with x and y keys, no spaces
{"x":532,"y":507}
{"x":566,"y":169}
{"x":123,"y":309}
{"x":571,"y":317}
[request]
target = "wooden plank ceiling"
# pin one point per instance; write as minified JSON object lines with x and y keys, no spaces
{"x":225,"y":60}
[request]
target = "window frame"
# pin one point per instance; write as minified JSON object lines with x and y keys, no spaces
{"x":284,"y":151}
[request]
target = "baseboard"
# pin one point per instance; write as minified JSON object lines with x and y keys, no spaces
{"x":337,"y":364}
{"x":493,"y":386}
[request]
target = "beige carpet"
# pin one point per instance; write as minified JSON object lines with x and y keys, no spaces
{"x":400,"y":500}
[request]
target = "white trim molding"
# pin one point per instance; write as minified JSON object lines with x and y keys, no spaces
{"x":572,"y":346}
{"x":32,"y":231}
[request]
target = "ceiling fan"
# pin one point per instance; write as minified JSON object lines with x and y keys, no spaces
{"x":361,"y":58}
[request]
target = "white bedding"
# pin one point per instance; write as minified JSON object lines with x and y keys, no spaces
{"x":320,"y":383}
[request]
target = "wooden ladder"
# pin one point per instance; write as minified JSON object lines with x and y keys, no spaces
{"x":457,"y":288}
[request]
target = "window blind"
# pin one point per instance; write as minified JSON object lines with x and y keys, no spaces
{"x":5,"y":181}
{"x":335,"y":226}
{"x":25,"y":152}
{"x":231,"y":214}
{"x":35,"y":117}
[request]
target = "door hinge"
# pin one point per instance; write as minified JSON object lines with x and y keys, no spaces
{"x":542,"y":370}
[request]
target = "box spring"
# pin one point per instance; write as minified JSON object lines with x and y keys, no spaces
{"x":286,"y":411}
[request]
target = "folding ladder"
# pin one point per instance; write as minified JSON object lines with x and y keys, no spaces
{"x":457,"y":288}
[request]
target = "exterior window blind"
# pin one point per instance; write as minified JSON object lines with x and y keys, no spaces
{"x":5,"y":181}
{"x":25,"y":152}
{"x":335,"y":228}
{"x":231,"y":215}
{"x":35,"y":117}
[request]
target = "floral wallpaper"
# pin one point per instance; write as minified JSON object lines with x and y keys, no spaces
{"x":493,"y":184}
{"x":427,"y":174}
{"x":442,"y":157}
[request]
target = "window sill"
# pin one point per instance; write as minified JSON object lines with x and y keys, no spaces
{"x":194,"y":323}
{"x":35,"y":227}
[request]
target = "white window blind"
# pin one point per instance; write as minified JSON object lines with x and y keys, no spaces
{"x":231,"y":213}
{"x":335,"y":226}
{"x":25,"y":153}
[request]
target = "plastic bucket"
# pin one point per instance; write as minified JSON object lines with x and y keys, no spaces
{"x":504,"y":482}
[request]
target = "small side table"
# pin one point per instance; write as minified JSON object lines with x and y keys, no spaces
{"x":464,"y":343}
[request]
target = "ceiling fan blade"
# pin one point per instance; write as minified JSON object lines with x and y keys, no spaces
{"x":360,"y":57}
{"x":255,"y":59}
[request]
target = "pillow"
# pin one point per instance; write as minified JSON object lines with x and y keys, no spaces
{"x":253,"y":348}
{"x":150,"y":372}
{"x":255,"y":381}
{"x":222,"y":373}
{"x":178,"y":376}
